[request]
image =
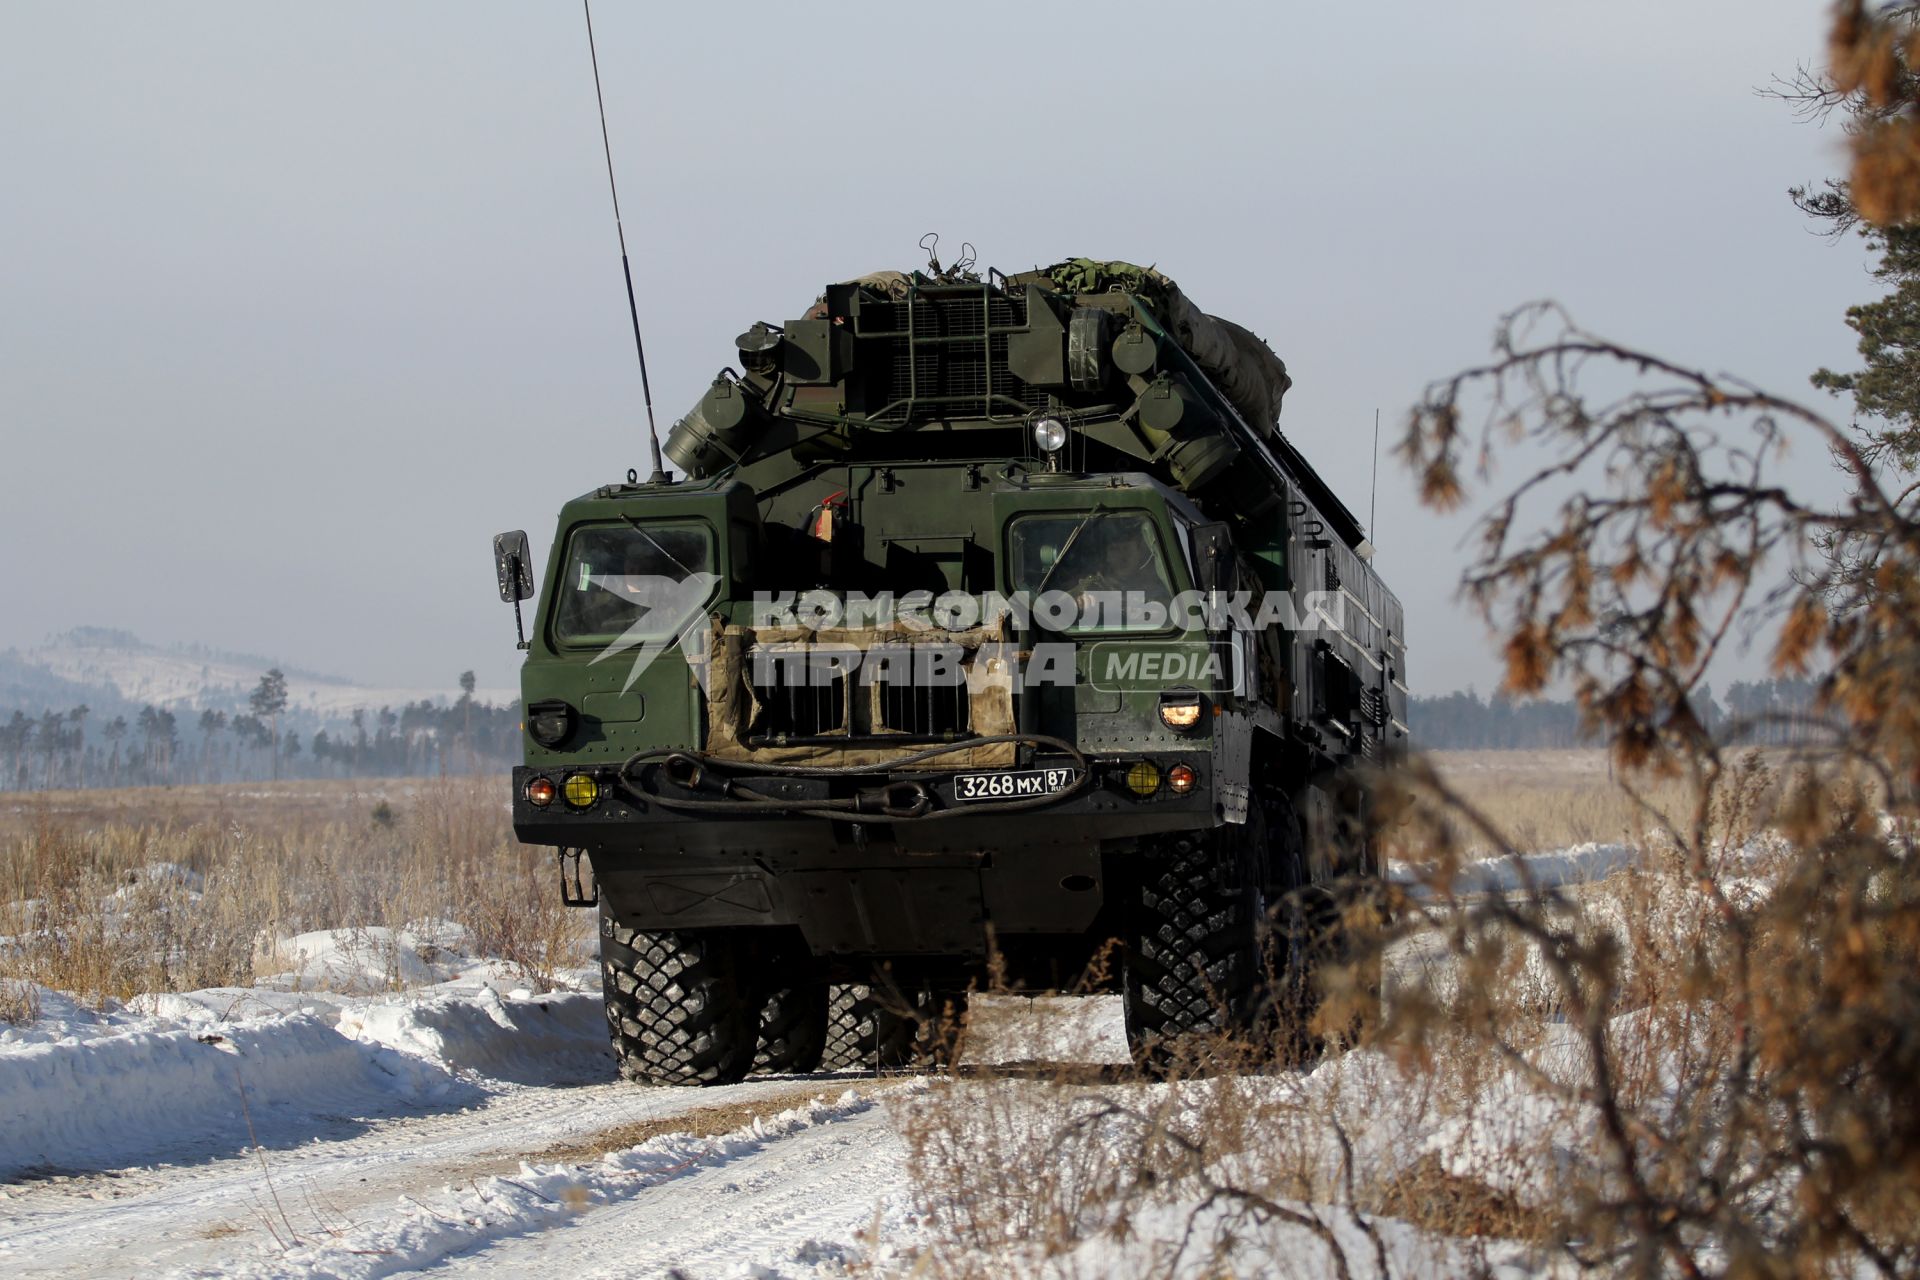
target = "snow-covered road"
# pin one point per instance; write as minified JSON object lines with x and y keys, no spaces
{"x":463,"y":1127}
{"x":788,"y":1204}
{"x":466,"y":1171}
{"x":236,"y":1213}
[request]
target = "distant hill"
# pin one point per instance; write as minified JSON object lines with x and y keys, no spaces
{"x":110,"y":670}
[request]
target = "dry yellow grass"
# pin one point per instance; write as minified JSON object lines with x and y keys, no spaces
{"x":1553,"y":799}
{"x":110,"y":893}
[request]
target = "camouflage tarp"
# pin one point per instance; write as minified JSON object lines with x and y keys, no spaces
{"x":1237,"y":359}
{"x":892,"y":283}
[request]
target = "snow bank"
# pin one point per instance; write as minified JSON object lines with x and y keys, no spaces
{"x":1004,"y":1030}
{"x":183,"y":1077}
{"x":524,"y":1039}
{"x":119,"y":1099}
{"x":1580,"y":864}
{"x":365,"y":960}
{"x":1190,"y":1241}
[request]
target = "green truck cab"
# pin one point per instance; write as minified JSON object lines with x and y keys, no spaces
{"x":993,"y":631}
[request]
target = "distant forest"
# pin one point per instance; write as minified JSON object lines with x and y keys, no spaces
{"x":1761,"y":712}
{"x":62,"y":748}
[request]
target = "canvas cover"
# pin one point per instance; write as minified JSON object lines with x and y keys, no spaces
{"x":1238,"y":360}
{"x":731,"y":704}
{"x":1240,"y":363}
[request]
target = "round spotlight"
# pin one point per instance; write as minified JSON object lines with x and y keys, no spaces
{"x":540,"y":792}
{"x":1143,"y":779}
{"x":550,"y":723}
{"x":1180,"y":710}
{"x":582,"y":791}
{"x":1050,"y":434}
{"x":1180,"y":779}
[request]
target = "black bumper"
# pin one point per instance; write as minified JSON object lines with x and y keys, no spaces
{"x":946,"y":883}
{"x":652,"y":815}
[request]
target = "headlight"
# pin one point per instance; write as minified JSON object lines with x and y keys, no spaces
{"x":1180,"y":779}
{"x":550,"y":723}
{"x":540,"y":792}
{"x":582,"y":791}
{"x":1050,"y":434}
{"x":1180,"y":709}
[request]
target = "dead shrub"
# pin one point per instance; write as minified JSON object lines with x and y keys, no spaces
{"x":1739,"y":1022}
{"x":19,"y":1001}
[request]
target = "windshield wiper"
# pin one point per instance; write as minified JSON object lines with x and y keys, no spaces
{"x":685,"y":572}
{"x":1061,"y":559}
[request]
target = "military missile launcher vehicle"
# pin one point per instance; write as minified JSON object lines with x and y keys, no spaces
{"x":992,"y":628}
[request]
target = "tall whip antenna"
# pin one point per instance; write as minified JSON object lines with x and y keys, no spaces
{"x":633,"y":312}
{"x":1373,"y":498}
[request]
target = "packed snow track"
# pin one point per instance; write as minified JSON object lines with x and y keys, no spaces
{"x":261,"y":1133}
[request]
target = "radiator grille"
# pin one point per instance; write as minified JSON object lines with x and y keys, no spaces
{"x":928,"y":710}
{"x":791,"y":705}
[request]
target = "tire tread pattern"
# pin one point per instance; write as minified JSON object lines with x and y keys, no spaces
{"x":865,"y":1032}
{"x":676,"y":1005}
{"x":1193,"y":959}
{"x":793,"y":1029}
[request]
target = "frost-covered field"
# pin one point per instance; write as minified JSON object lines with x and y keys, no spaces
{"x":338,"y":1033}
{"x":305,"y":1125}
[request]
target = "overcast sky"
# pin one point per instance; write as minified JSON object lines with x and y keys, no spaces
{"x":300,"y":304}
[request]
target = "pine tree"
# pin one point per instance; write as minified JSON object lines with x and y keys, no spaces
{"x":16,"y":736}
{"x":211,"y":723}
{"x":116,"y":729}
{"x":467,"y":685}
{"x":1886,"y":392}
{"x":77,"y":742}
{"x":164,"y":734}
{"x":268,"y":700}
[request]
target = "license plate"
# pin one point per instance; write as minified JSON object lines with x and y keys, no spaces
{"x":1011,"y":784}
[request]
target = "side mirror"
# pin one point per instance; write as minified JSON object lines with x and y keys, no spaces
{"x":513,"y":566}
{"x":1212,"y":558}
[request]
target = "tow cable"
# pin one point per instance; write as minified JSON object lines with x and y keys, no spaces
{"x":899,"y":800}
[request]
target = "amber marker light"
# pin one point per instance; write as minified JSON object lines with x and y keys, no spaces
{"x":582,"y":791}
{"x":540,"y":792}
{"x":1180,"y":779}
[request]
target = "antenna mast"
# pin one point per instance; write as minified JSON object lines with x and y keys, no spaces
{"x":626,"y":270}
{"x":1373,"y":495}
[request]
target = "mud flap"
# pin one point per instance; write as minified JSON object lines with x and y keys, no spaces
{"x":578,"y":887}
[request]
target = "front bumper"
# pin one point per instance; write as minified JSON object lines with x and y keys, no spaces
{"x":653,"y":813}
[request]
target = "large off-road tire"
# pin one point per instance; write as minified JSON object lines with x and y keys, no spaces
{"x":872,"y":1028}
{"x":1227,"y":939}
{"x":1196,"y":945}
{"x":679,"y":1007}
{"x":865,"y":1030}
{"x":793,"y":1028}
